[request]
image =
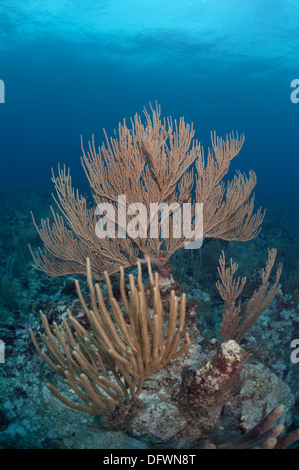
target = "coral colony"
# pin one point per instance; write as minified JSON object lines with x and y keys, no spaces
{"x":131,"y":351}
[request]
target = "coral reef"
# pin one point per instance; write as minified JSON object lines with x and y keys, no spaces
{"x":179,"y":404}
{"x":265,"y":435}
{"x":254,"y":379}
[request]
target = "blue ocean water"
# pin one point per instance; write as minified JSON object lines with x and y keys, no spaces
{"x":70,"y":68}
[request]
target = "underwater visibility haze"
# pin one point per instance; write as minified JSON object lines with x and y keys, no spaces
{"x":128,"y":340}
